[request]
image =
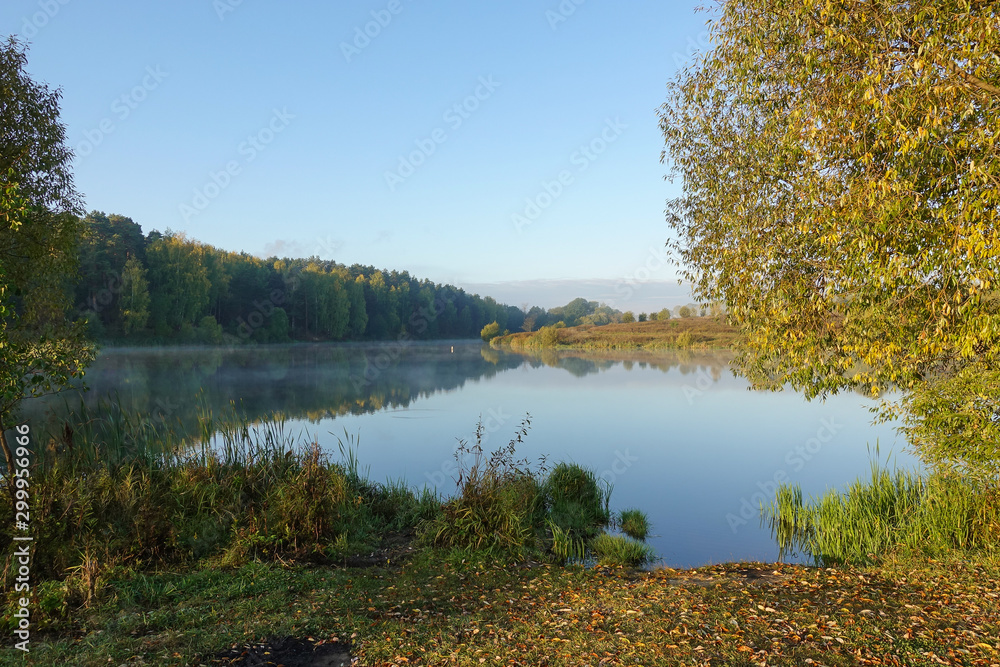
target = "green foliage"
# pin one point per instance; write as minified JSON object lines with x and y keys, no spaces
{"x":952,"y":411}
{"x":134,"y":300}
{"x":498,"y":506}
{"x":490,"y":331}
{"x":628,"y":317}
{"x":840,"y":200}
{"x":508,"y":510}
{"x":874,"y":517}
{"x":575,"y":500}
{"x":123,"y":490}
{"x":634,"y":523}
{"x":663,"y":315}
{"x":547,"y":336}
{"x":41,"y":350}
{"x":179,"y":282}
{"x":209,"y":331}
{"x":642,"y":317}
{"x":684,"y":340}
{"x":685,"y":311}
{"x":621,"y":550}
{"x":567,"y":546}
{"x":255,"y":300}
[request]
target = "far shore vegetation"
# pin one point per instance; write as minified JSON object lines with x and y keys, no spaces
{"x":688,"y":333}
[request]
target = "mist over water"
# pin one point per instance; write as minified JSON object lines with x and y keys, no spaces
{"x":676,"y":433}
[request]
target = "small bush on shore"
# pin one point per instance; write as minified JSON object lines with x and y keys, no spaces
{"x":498,"y":505}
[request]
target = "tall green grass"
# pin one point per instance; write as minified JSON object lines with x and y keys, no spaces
{"x":498,"y":504}
{"x":510,"y":510}
{"x":621,"y":550}
{"x":121,"y":492}
{"x":889,"y":510}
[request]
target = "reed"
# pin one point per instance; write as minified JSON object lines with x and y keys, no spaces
{"x":621,"y":550}
{"x":121,"y":491}
{"x":885,"y":512}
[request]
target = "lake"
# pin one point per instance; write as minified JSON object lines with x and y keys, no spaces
{"x":676,"y":433}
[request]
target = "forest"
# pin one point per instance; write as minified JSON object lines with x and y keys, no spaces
{"x":166,"y":288}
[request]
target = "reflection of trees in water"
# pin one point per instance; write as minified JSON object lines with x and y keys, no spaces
{"x":311,"y":382}
{"x":315,"y":382}
{"x":586,"y":362}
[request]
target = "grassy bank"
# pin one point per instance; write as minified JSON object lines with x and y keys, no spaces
{"x":684,"y":333}
{"x":423,"y":612}
{"x":117,"y":497}
{"x":254,"y":549}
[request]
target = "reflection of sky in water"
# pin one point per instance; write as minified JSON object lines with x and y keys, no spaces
{"x":680,"y":437}
{"x":689,"y":457}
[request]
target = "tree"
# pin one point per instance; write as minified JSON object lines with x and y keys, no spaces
{"x":41,"y":350}
{"x":134,"y":299}
{"x":685,"y":311}
{"x":841,"y":200}
{"x":490,"y":331}
{"x":664,"y":315}
{"x":533,"y":318}
{"x":642,"y":317}
{"x":628,"y":317}
{"x":180,"y":288}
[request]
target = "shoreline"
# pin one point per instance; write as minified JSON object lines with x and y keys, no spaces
{"x":694,"y":333}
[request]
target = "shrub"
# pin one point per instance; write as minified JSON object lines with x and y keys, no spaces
{"x":490,"y":331}
{"x":497,"y":509}
{"x":547,"y":336}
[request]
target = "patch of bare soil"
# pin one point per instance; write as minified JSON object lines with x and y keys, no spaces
{"x":287,"y":652}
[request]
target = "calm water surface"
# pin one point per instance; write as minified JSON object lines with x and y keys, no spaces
{"x":675,"y":433}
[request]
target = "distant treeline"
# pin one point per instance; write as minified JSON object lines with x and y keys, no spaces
{"x":580,"y":311}
{"x":168,"y":288}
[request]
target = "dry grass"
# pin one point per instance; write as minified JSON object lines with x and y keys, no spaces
{"x":694,"y":332}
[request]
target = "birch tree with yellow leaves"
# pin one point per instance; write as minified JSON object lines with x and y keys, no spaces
{"x":841,"y":197}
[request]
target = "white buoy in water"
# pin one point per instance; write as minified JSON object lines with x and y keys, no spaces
{"x":453,"y":349}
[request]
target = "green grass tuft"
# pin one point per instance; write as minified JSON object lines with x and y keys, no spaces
{"x":634,"y":523}
{"x":621,"y":550}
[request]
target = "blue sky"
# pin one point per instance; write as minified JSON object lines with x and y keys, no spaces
{"x":509,"y":148}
